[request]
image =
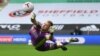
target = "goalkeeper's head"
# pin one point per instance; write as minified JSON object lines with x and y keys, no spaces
{"x":47,"y":25}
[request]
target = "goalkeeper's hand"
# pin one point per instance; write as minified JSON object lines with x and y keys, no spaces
{"x":33,"y":16}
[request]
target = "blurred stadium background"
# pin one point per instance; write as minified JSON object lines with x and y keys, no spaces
{"x":67,"y":15}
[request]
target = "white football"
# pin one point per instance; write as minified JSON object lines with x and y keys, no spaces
{"x":28,"y":6}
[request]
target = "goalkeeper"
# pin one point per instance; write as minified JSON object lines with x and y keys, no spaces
{"x":42,"y":36}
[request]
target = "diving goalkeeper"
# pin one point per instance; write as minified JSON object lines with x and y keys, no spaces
{"x":42,"y":36}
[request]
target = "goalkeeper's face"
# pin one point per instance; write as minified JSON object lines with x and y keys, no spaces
{"x":46,"y":26}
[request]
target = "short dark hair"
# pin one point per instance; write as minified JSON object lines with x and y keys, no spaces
{"x":51,"y":23}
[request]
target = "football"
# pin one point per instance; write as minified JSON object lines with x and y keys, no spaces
{"x":28,"y":6}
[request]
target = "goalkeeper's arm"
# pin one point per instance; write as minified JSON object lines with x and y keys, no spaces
{"x":49,"y":36}
{"x":33,"y":19}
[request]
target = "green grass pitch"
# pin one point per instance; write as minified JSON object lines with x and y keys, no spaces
{"x":26,"y":50}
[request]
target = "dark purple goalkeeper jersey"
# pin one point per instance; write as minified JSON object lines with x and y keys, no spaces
{"x":38,"y":37}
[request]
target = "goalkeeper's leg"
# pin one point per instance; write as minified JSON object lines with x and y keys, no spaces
{"x":51,"y":45}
